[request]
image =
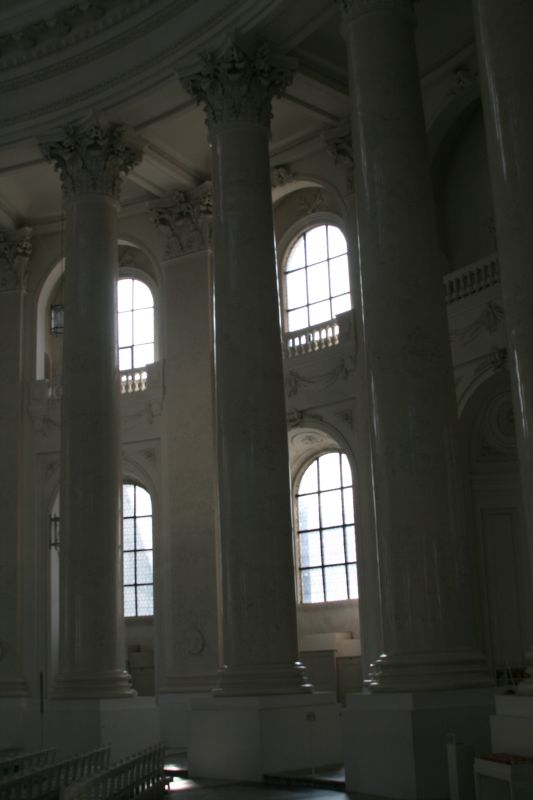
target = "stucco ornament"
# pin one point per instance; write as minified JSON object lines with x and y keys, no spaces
{"x":15,"y":250}
{"x":235,"y":86}
{"x":185,"y":218}
{"x":92,"y":157}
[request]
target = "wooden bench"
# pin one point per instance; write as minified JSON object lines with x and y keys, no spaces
{"x":22,"y":762}
{"x":45,"y":783}
{"x":140,"y":775}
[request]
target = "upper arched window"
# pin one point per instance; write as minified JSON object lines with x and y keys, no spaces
{"x":316,"y":276}
{"x":136,"y":333}
{"x":137,"y":551}
{"x":327,"y":563}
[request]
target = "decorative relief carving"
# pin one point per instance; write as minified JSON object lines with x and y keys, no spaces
{"x":338,"y":143}
{"x":496,"y":439}
{"x":186,"y":219}
{"x":489,"y":320}
{"x":311,"y":201}
{"x":282,"y":175}
{"x":194,"y":641}
{"x":463,"y":77}
{"x":15,"y":250}
{"x":235,"y":86}
{"x":356,"y":8}
{"x":92,"y":157}
{"x":294,"y":380}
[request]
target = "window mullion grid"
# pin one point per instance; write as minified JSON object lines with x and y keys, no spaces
{"x":321,"y":530}
{"x":328,"y":262}
{"x":344,"y":530}
{"x":135,"y":548}
{"x":306,"y":268}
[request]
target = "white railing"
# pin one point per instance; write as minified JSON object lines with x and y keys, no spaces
{"x":22,"y":762}
{"x":471,"y":279}
{"x":141,"y":775}
{"x":310,"y":340}
{"x":133,"y":380}
{"x":47,"y":781}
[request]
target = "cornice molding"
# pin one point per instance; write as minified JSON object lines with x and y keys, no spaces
{"x":92,"y":157}
{"x":237,"y":86}
{"x":15,"y":251}
{"x":186,"y":220}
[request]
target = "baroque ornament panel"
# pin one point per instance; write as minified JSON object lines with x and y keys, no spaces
{"x":185,"y":218}
{"x":15,"y":250}
{"x":235,"y":86}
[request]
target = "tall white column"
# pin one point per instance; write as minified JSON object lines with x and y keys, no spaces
{"x":256,"y":573}
{"x":429,"y":630}
{"x":15,"y":249}
{"x":91,"y":159}
{"x":504,"y":34}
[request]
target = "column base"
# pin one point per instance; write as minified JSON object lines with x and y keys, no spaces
{"x":128,"y":725}
{"x":512,"y":725}
{"x":174,"y":714}
{"x":93,"y":685}
{"x":262,"y":680}
{"x":244,"y":738}
{"x":395,"y":744}
{"x":421,"y":672}
{"x":14,"y":712}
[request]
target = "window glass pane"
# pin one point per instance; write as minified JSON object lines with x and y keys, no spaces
{"x":296,"y":289}
{"x":318,"y":282}
{"x":336,"y":241}
{"x":340,"y":280}
{"x":143,"y":502}
{"x":348,"y":505}
{"x":316,"y":244}
{"x":143,"y":326}
{"x":312,"y":586}
{"x":125,"y":333}
{"x":296,"y":257}
{"x":319,"y":312}
{"x":125,"y":294}
{"x":129,"y":601}
{"x":310,"y":553}
{"x":144,"y":533}
{"x":308,"y":512}
{"x":341,"y":304}
{"x":296,"y":320}
{"x":330,"y":474}
{"x":335,"y":579}
{"x":142,"y":296}
{"x":145,"y":600}
{"x":144,"y":566}
{"x":309,"y":482}
{"x":352,"y":581}
{"x":128,"y":534}
{"x":143,"y":354}
{"x":331,"y":508}
{"x":129,"y":568}
{"x":346,"y":471}
{"x":128,"y":500}
{"x":350,"y":544}
{"x":124,"y":358}
{"x":333,"y":546}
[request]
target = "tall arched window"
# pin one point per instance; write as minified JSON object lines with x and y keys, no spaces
{"x":317,"y":282}
{"x":327,"y":563}
{"x":137,"y":546}
{"x":136,"y":345}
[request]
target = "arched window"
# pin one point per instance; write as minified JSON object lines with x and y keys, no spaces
{"x":317,"y":282}
{"x":137,"y":546}
{"x":327,"y":561}
{"x":135,"y":324}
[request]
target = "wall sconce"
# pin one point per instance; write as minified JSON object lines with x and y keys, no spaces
{"x":57,"y":319}
{"x":54,"y":531}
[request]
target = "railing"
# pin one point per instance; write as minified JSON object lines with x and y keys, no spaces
{"x":471,"y":279}
{"x":47,"y":781}
{"x":141,"y":775}
{"x":310,"y":340}
{"x":22,"y":762}
{"x":133,"y":381}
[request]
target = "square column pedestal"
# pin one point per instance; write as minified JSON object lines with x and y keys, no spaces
{"x":127,"y":724}
{"x":15,"y":713}
{"x":395,"y":744}
{"x":175,"y":712}
{"x":244,"y":738}
{"x":511,"y":727}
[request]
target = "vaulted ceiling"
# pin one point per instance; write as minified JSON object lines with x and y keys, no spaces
{"x":60,"y":59}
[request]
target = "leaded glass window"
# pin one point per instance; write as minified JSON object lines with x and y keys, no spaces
{"x":137,"y":550}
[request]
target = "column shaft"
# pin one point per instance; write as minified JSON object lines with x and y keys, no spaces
{"x":504,"y":33}
{"x":425,"y":582}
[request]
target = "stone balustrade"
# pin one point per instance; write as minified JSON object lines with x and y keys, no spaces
{"x":311,"y":340}
{"x":472,"y":279}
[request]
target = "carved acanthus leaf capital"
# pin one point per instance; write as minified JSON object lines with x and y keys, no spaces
{"x":185,"y":218}
{"x":352,"y":9}
{"x":15,"y":250}
{"x":235,"y":86}
{"x":92,"y":157}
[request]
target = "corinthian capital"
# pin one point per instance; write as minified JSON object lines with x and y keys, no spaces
{"x":15,"y":250}
{"x":92,"y":157}
{"x":237,"y":86}
{"x":356,"y":8}
{"x":185,"y":218}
